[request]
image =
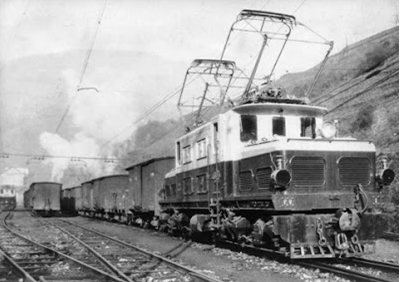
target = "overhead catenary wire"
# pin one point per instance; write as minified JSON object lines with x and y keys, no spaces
{"x":142,"y":117}
{"x":72,"y":157}
{"x":364,"y":91}
{"x":160,"y":103}
{"x":84,"y":68}
{"x":329,"y":95}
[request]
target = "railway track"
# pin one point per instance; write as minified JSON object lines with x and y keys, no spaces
{"x":129,"y":259}
{"x":391,"y":236}
{"x":138,"y":264}
{"x":351,"y":274}
{"x":32,"y":261}
{"x":339,"y":266}
{"x":387,"y":267}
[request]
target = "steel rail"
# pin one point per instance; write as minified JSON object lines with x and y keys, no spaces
{"x":167,"y":261}
{"x":97,"y":271}
{"x":28,"y":277}
{"x":95,"y":253}
{"x":370,"y":263}
{"x":342,"y":272}
{"x":391,"y":236}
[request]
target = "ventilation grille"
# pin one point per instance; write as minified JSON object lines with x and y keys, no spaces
{"x":264,"y":178}
{"x":308,"y":171}
{"x":354,"y":170}
{"x":245,"y":180}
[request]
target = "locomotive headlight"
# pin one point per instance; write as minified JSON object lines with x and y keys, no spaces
{"x":386,"y":176}
{"x":281,"y":177}
{"x":328,"y":130}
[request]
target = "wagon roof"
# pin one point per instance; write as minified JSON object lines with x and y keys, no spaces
{"x":107,"y":176}
{"x":150,"y":161}
{"x":44,"y":182}
{"x":74,"y":187}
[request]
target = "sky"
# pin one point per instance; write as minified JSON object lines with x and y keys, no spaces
{"x":139,"y":52}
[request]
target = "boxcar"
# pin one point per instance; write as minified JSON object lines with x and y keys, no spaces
{"x":76,"y":198}
{"x":8,"y":200}
{"x":87,"y":198}
{"x":65,"y":199}
{"x":110,"y":196}
{"x":44,"y":197}
{"x":68,"y":200}
{"x":145,"y":181}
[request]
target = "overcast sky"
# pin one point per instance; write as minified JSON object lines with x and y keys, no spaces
{"x":163,"y":36}
{"x":171,"y":29}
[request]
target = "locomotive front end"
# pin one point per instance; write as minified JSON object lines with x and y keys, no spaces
{"x":323,"y":195}
{"x":336,"y":202}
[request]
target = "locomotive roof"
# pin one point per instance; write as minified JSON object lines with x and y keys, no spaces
{"x":149,"y":161}
{"x":107,"y":176}
{"x":265,"y":108}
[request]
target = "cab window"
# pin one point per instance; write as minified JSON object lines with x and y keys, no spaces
{"x":278,"y":126}
{"x":248,"y":128}
{"x":308,"y":127}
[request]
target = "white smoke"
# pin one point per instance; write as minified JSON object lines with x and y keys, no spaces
{"x":100,"y":113}
{"x":100,"y":109}
{"x":66,"y":154}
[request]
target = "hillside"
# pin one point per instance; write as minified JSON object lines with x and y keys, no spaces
{"x":360,"y":87}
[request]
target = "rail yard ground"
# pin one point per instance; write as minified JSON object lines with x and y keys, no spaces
{"x":223,"y":264}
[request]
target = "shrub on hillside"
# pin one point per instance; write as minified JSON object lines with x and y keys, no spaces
{"x":364,"y":119}
{"x":377,"y":56}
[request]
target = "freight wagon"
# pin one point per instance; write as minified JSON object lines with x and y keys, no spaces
{"x":43,"y":197}
{"x":110,"y":196}
{"x":86,"y":207}
{"x":146,"y":179}
{"x":68,"y":200}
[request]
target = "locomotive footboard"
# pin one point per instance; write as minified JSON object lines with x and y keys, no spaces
{"x":344,"y":233}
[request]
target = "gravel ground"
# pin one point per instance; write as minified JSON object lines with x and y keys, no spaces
{"x":197,"y":257}
{"x":220,"y":263}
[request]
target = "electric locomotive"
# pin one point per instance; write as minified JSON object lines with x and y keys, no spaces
{"x":271,"y":172}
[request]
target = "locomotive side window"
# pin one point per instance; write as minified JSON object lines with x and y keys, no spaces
{"x":173,"y":190}
{"x":308,"y":127}
{"x":186,"y":155}
{"x":187,"y":186}
{"x":178,"y":152}
{"x":201,"y":149}
{"x":248,"y":128}
{"x":167,"y":191}
{"x":278,"y":126}
{"x":202,"y":184}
